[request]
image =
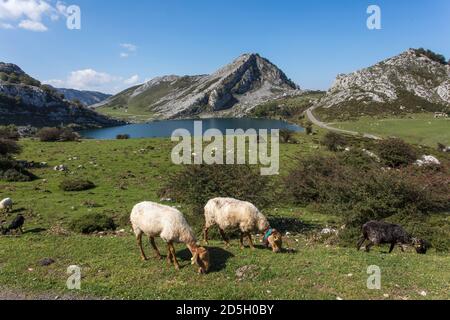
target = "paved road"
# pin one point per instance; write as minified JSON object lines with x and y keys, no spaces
{"x":310,"y":115}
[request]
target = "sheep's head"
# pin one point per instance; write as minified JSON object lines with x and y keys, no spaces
{"x":263,"y":224}
{"x":201,"y":258}
{"x":420,"y":245}
{"x":275,"y":241}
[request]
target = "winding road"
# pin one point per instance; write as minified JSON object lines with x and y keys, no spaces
{"x":310,"y":115}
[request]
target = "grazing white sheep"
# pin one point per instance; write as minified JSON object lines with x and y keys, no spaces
{"x":169,"y":224}
{"x":229,"y":213}
{"x":6,"y":205}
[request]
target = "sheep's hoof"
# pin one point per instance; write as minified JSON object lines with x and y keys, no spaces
{"x":177,"y":268}
{"x":144,"y":259}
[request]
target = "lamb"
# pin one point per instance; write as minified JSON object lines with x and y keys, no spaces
{"x":378,"y":232}
{"x":6,"y":205}
{"x":229,"y":213}
{"x":169,"y":224}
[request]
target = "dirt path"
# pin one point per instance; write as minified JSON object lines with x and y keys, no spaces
{"x":310,"y":115}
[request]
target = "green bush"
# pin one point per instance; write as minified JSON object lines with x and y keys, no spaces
{"x":195,"y":185}
{"x":123,"y":137}
{"x":48,"y":134}
{"x":11,"y":171}
{"x":334,"y":141}
{"x":67,"y":134}
{"x":360,"y":193}
{"x":9,"y":132}
{"x":76,"y":185}
{"x":9,"y":147}
{"x":360,"y":196}
{"x":90,"y":223}
{"x":396,"y":153}
{"x":286,"y":136}
{"x":57,"y":134}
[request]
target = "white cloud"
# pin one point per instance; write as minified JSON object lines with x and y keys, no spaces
{"x":132,"y":80}
{"x":32,"y":25}
{"x":30,"y":14}
{"x":130,"y":47}
{"x":90,"y":79}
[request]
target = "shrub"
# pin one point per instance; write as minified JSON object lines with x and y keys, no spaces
{"x":396,"y":153}
{"x":57,"y":134}
{"x":9,"y":147}
{"x":9,"y":132}
{"x":356,"y":158}
{"x":432,"y":55}
{"x":49,"y":134}
{"x":123,"y":137}
{"x":286,"y":135}
{"x":195,"y":185}
{"x":76,"y":185}
{"x":309,"y":128}
{"x":361,"y":196}
{"x":67,"y":134}
{"x":334,"y":141}
{"x":11,"y":171}
{"x":90,"y":223}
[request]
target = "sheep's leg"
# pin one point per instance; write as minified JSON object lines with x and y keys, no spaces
{"x":224,"y":237}
{"x":169,"y":257}
{"x":402,"y":248}
{"x":175,"y":261}
{"x":21,"y":230}
{"x":139,"y":242}
{"x":392,"y":247}
{"x":205,"y":235}
{"x":370,"y":245}
{"x":158,"y":254}
{"x":360,"y":243}
{"x":241,"y":241}
{"x":251,"y":241}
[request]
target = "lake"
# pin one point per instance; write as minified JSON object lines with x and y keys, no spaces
{"x":163,"y":129}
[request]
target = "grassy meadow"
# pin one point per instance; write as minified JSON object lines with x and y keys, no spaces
{"x":129,"y":171}
{"x":421,"y":129}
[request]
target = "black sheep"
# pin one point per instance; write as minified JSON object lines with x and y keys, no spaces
{"x":378,"y":232}
{"x":16,"y":224}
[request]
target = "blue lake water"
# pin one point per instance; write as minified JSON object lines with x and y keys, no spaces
{"x":163,"y":129}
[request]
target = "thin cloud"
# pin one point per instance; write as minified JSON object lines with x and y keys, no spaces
{"x":29,"y":14}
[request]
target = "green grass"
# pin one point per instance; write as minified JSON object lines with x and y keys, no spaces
{"x":129,"y":171}
{"x":421,"y":129}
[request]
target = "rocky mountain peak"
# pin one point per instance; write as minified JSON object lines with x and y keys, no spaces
{"x":232,"y":90}
{"x":10,"y":68}
{"x":415,"y":79}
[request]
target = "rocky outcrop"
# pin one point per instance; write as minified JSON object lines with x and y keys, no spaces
{"x":233,"y":90}
{"x":409,"y":81}
{"x":24,"y":101}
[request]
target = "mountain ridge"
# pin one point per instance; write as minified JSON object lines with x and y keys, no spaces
{"x":231,"y":90}
{"x":408,"y":82}
{"x":25,"y":101}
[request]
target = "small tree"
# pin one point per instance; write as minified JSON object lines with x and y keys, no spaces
{"x":334,"y":141}
{"x":9,"y":132}
{"x":8,"y":147}
{"x":286,"y":135}
{"x":309,"y":128}
{"x":49,"y":134}
{"x":396,"y":153}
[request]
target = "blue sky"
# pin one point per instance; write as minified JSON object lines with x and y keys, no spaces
{"x":312,"y":41}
